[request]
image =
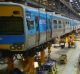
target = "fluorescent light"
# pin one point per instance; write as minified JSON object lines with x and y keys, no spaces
{"x":79,"y":13}
{"x":71,"y":0}
{"x":77,"y":4}
{"x":36,"y":64}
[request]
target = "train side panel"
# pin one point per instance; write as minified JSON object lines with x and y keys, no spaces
{"x":49,"y":27}
{"x":11,"y":27}
{"x":40,"y":31}
{"x":32,"y":25}
{"x":57,"y":26}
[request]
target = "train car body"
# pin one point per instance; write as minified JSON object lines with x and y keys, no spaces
{"x":57,"y":26}
{"x":11,"y":26}
{"x":23,"y":27}
{"x":26,"y":27}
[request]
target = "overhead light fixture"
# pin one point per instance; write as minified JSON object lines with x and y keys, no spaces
{"x":71,"y":0}
{"x":77,"y":4}
{"x":79,"y":13}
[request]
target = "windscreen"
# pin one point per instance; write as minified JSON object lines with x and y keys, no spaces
{"x":11,"y":25}
{"x":11,"y":20}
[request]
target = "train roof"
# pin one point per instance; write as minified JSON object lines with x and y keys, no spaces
{"x":29,"y":8}
{"x":35,"y":10}
{"x":11,"y":3}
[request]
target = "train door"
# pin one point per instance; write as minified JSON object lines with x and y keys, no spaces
{"x":61,"y":27}
{"x":49,"y":27}
{"x":31,"y":29}
{"x":66,"y":26}
{"x":54,"y":28}
{"x":42,"y":28}
{"x":37,"y":30}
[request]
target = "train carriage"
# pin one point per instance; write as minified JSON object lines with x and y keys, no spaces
{"x":23,"y":27}
{"x":11,"y":26}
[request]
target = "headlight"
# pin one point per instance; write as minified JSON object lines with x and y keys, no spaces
{"x":22,"y":45}
{"x":12,"y":47}
{"x":19,"y":47}
{"x":16,"y":47}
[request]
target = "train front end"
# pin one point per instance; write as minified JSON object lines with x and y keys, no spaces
{"x":11,"y":27}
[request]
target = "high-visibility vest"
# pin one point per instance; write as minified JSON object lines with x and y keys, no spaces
{"x":67,"y":39}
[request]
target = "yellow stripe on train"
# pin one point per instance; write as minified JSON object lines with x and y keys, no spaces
{"x":11,"y":10}
{"x":5,"y":46}
{"x":11,"y":47}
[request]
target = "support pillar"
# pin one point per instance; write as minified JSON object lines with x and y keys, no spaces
{"x":29,"y":65}
{"x":10,"y":63}
{"x":42,"y":57}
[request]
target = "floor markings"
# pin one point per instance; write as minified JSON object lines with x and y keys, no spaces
{"x":72,"y":53}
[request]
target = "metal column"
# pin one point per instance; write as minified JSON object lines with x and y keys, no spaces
{"x":42,"y":57}
{"x":10,"y":64}
{"x":29,"y":65}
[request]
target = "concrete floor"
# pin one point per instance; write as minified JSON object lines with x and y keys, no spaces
{"x":72,"y":55}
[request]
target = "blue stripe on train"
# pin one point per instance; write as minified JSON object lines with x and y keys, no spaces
{"x":10,"y":39}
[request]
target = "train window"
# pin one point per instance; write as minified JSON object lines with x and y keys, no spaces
{"x":68,"y":22}
{"x":28,"y":14}
{"x":59,"y":22}
{"x":11,"y":25}
{"x":55,"y":26}
{"x":55,"y":21}
{"x":37,"y":22}
{"x":60,"y":26}
{"x":30,"y":24}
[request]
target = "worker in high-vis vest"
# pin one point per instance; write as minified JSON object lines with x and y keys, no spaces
{"x":70,"y":42}
{"x":62,"y":42}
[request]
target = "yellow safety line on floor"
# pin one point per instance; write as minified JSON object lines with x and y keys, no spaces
{"x":65,"y":65}
{"x":62,"y":70}
{"x":75,"y":72}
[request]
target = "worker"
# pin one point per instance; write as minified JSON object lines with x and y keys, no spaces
{"x":62,"y":42}
{"x":70,"y":42}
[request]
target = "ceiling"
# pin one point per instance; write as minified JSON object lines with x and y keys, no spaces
{"x":63,"y":7}
{"x":76,"y":5}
